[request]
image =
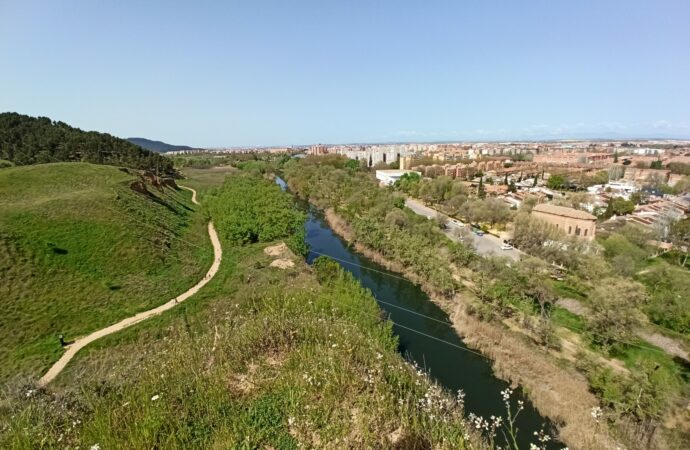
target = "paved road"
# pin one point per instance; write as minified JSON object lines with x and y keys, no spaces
{"x":82,"y":342}
{"x":484,"y":245}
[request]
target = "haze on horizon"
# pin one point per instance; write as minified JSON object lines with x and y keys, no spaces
{"x":278,"y":73}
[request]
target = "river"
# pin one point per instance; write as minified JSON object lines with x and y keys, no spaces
{"x":425,"y":333}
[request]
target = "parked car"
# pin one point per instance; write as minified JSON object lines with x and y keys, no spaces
{"x":457,"y":222}
{"x":506,"y":246}
{"x":478,"y":232}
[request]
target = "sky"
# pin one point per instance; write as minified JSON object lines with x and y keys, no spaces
{"x":256,"y":72}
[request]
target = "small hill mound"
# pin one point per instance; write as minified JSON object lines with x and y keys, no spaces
{"x":81,"y":248}
{"x":26,"y":140}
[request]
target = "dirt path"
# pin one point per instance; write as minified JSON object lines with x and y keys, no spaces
{"x":80,"y":343}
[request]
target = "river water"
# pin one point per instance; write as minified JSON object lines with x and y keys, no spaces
{"x":425,"y":333}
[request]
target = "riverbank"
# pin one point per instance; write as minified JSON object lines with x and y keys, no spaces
{"x":559,"y":394}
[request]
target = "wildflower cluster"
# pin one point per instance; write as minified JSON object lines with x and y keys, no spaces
{"x":542,"y":439}
{"x":596,"y":413}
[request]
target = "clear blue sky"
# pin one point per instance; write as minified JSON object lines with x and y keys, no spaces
{"x":292,"y":72}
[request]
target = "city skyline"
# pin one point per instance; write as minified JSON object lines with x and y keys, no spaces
{"x":267,"y":73}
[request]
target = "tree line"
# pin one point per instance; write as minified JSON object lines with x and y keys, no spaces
{"x":26,"y":140}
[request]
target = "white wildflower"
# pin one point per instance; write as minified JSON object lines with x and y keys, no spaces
{"x":596,"y":413}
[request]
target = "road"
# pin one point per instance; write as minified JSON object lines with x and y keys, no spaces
{"x":484,"y":245}
{"x":82,"y":342}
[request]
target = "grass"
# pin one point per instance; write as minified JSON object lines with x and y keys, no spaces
{"x":260,"y":358}
{"x":565,"y":318}
{"x":204,"y":179}
{"x":80,"y":250}
{"x":566,"y":290}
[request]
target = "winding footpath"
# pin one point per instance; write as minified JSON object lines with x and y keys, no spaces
{"x":82,"y":342}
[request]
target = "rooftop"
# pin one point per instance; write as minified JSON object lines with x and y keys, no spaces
{"x":563,"y":211}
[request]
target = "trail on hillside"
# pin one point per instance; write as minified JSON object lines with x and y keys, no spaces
{"x":82,"y":342}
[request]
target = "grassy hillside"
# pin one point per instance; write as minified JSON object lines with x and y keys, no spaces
{"x":79,"y":250}
{"x":260,"y":358}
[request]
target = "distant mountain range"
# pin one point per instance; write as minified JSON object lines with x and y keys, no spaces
{"x":157,"y":146}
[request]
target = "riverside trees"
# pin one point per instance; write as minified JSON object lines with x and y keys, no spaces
{"x":379,"y":220}
{"x":613,"y":278}
{"x":250,"y":209}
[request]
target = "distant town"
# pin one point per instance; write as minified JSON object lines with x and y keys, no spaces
{"x":639,"y":176}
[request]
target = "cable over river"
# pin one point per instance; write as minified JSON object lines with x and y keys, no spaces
{"x":426,"y":335}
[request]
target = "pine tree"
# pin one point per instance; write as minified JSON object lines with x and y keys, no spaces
{"x":481,"y":192}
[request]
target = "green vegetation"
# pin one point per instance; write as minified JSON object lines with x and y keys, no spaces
{"x":378,"y":218}
{"x":204,"y":179}
{"x":679,"y":235}
{"x":678,"y":167}
{"x":205,"y":160}
{"x":36,"y":140}
{"x":157,"y":146}
{"x":555,"y":182}
{"x":621,"y":289}
{"x":80,"y":250}
{"x":260,"y":358}
{"x":453,"y":198}
{"x":618,"y":206}
{"x":566,"y":319}
{"x":615,"y":313}
{"x":249,"y":209}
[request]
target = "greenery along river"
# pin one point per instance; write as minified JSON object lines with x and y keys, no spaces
{"x":426,"y":335}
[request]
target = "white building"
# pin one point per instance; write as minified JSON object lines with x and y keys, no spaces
{"x":388,"y":177}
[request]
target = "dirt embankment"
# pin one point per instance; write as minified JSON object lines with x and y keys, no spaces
{"x":559,"y":393}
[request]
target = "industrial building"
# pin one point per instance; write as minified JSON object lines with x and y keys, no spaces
{"x":388,"y":177}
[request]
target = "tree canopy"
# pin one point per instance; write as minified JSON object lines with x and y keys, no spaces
{"x":26,"y":140}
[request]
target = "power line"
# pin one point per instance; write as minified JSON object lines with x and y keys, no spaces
{"x":454,"y":345}
{"x":444,"y":322}
{"x":359,"y":265}
{"x":644,"y":347}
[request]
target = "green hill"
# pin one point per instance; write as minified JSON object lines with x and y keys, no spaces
{"x":28,"y":140}
{"x":81,"y":249}
{"x":262,"y":357}
{"x":157,"y":146}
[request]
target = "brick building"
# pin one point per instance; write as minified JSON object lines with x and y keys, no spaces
{"x":572,"y":222}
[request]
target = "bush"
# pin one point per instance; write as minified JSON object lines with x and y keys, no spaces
{"x":250,"y":209}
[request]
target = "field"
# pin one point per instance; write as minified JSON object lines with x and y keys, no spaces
{"x":204,"y":179}
{"x":79,"y":250}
